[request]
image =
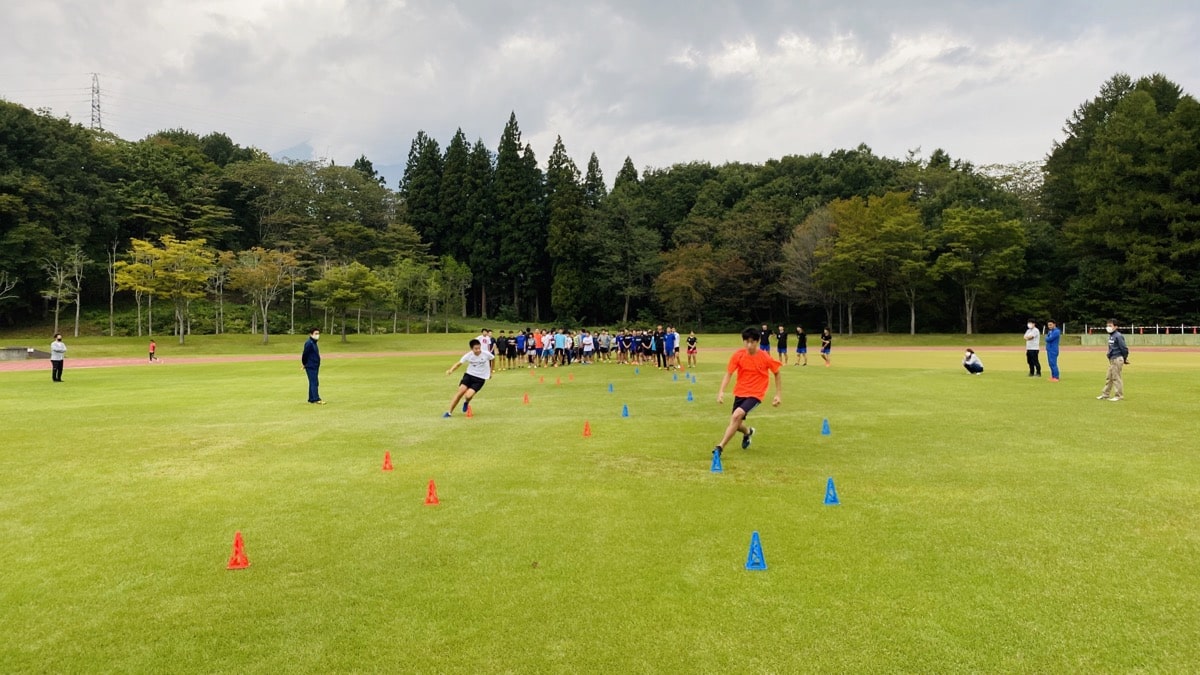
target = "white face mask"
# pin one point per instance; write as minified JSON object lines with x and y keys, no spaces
{"x":316,"y":337}
{"x":1109,"y":329}
{"x":1029,"y":325}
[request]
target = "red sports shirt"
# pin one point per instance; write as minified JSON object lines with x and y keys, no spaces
{"x":753,"y":373}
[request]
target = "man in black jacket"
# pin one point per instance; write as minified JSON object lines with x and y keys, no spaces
{"x":310,"y":361}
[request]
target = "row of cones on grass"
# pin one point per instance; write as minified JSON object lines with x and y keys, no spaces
{"x":239,"y":561}
{"x":755,"y":560}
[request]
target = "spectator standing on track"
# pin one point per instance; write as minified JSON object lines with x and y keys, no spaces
{"x":58,"y":352}
{"x":1118,"y":358}
{"x":1053,"y":335}
{"x":1032,"y":349}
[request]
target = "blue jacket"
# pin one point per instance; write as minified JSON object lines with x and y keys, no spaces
{"x":1116,"y":346}
{"x":311,"y":357}
{"x":1052,"y":341}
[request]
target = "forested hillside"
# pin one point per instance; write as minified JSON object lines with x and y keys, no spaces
{"x":188,"y":233}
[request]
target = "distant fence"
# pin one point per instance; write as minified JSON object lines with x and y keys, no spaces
{"x":1168,"y":336}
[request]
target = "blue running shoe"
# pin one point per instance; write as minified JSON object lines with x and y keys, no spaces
{"x":746,"y":439}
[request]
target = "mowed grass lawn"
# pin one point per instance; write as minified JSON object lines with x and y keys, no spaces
{"x":991,"y":523}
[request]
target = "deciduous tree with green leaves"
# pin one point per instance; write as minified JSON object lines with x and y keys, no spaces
{"x":262,"y":274}
{"x":980,"y":248}
{"x":344,"y":286}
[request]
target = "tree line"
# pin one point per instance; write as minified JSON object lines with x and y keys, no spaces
{"x":1107,"y":224}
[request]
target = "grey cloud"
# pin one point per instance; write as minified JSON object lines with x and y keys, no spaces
{"x":362,"y":76}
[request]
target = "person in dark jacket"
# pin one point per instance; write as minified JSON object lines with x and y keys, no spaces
{"x":310,"y":360}
{"x":1118,"y":357}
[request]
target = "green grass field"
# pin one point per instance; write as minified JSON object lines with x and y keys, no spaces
{"x":991,"y":523}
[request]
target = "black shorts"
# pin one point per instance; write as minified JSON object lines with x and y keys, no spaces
{"x":510,"y":352}
{"x":748,"y":403}
{"x":473,"y":382}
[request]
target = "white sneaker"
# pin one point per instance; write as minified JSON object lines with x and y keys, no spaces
{"x":1116,"y":398}
{"x":1101,"y":397}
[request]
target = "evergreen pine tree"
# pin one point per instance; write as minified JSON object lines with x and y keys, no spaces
{"x":481,"y":247}
{"x":627,"y":174}
{"x":594,"y":190}
{"x":519,"y":225}
{"x":420,"y":191}
{"x":453,"y":197}
{"x":564,"y":243}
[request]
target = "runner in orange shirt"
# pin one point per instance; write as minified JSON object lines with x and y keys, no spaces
{"x":753,"y":367}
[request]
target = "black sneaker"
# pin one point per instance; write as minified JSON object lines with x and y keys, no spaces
{"x":717,"y":451}
{"x":465,"y":404}
{"x":746,"y":439}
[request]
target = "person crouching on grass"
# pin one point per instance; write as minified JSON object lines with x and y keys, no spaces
{"x":971,"y":362}
{"x":752,"y":366}
{"x":479,"y":371}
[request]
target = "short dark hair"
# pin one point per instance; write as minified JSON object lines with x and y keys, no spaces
{"x":751,"y":333}
{"x":473,"y":343}
{"x":1113,"y":321}
{"x":313,"y":330}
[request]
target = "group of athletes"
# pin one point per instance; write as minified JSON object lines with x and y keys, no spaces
{"x":753,"y":366}
{"x":551,"y":348}
{"x":781,"y":344}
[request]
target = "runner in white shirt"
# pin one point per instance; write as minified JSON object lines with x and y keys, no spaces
{"x":479,"y":371}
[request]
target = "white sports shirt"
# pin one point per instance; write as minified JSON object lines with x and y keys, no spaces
{"x":478,"y":365}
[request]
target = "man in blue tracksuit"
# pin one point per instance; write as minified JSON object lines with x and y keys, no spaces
{"x":1053,"y":334}
{"x":310,"y":360}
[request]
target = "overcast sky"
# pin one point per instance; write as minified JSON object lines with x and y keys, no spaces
{"x":662,"y":81}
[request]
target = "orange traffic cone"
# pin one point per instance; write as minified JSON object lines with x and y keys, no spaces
{"x":470,"y":411}
{"x":387,"y":461}
{"x":526,"y":399}
{"x":587,"y":429}
{"x":558,"y":381}
{"x":541,"y":380}
{"x":238,"y":561}
{"x":570,"y":377}
{"x":431,"y":494}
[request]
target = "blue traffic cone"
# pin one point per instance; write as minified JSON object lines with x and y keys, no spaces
{"x":689,"y":396}
{"x":831,"y":498}
{"x":755,"y":559}
{"x":624,"y":411}
{"x":610,"y":387}
{"x":716,"y":465}
{"x":825,"y":427}
{"x":674,"y":377}
{"x":636,"y":371}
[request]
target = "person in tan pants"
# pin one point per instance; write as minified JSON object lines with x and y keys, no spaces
{"x":1118,"y":356}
